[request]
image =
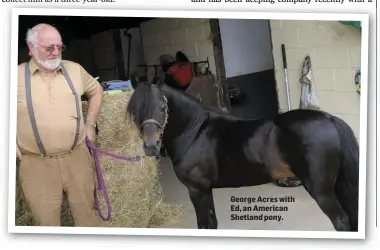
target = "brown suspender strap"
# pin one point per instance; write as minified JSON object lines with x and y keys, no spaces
{"x":32,"y":118}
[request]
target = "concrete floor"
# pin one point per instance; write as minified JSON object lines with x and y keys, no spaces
{"x":302,"y":214}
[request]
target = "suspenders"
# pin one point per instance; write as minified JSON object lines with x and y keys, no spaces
{"x":28,"y":93}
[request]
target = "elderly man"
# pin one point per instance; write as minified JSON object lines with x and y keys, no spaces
{"x":51,"y":131}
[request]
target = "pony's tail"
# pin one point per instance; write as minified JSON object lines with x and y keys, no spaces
{"x":347,"y":183}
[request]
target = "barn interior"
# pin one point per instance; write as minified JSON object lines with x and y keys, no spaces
{"x":102,"y":45}
{"x":111,"y":47}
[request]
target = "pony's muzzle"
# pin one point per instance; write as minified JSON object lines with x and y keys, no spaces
{"x":152,"y":147}
{"x":152,"y":140}
{"x":152,"y":143}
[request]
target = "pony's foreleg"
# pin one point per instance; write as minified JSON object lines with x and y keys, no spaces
{"x":212,"y":214}
{"x":203,"y":203}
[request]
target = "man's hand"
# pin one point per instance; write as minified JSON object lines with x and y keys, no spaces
{"x":90,"y":132}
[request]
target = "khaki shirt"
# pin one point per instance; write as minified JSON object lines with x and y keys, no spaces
{"x":54,"y":107}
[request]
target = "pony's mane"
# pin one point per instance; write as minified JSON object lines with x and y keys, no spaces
{"x":191,"y":99}
{"x":137,"y":106}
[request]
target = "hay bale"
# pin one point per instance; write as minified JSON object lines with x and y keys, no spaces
{"x":133,"y":188}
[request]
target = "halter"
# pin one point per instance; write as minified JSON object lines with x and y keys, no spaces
{"x":154,"y":121}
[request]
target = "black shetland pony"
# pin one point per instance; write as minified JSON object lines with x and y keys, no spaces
{"x":210,"y":149}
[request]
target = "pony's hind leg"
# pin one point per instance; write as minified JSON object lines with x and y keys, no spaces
{"x":276,"y":166}
{"x":330,"y":205}
{"x":320,"y":184}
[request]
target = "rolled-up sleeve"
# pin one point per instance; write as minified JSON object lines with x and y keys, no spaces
{"x":90,"y":85}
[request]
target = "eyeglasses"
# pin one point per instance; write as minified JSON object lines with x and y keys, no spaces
{"x":51,"y":48}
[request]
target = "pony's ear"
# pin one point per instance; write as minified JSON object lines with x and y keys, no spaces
{"x":135,"y":80}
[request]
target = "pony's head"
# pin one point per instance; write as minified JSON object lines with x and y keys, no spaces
{"x":148,"y":108}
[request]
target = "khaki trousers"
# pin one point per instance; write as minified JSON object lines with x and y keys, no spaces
{"x":44,"y":179}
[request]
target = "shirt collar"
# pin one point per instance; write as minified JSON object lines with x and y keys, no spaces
{"x":34,"y":67}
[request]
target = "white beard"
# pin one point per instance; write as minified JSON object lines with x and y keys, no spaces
{"x":51,"y":64}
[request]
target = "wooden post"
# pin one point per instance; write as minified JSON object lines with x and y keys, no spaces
{"x":220,"y":73}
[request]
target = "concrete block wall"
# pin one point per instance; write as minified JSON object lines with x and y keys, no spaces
{"x":168,"y":35}
{"x":334,"y":49}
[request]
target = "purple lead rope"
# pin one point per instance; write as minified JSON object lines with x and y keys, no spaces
{"x":101,"y":184}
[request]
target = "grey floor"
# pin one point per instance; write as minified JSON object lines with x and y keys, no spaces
{"x":302,"y":214}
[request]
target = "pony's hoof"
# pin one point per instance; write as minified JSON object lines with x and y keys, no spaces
{"x":288,"y":182}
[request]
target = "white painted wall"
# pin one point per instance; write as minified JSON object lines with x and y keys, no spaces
{"x":246,"y":46}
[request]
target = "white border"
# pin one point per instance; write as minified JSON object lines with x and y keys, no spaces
{"x":364,"y":18}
